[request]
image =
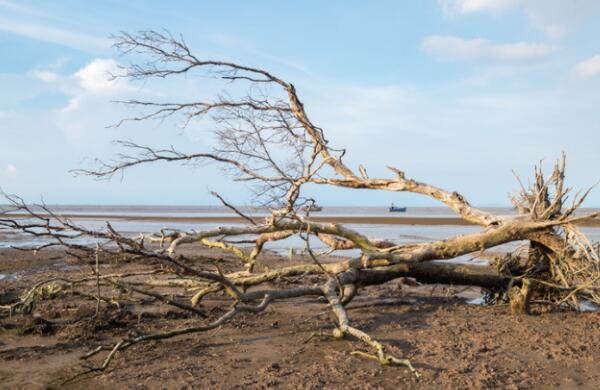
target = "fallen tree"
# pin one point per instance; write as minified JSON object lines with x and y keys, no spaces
{"x":266,"y":138}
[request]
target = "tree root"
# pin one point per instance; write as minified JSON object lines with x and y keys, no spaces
{"x":345,"y":328}
{"x":266,"y":137}
{"x":387,"y":360}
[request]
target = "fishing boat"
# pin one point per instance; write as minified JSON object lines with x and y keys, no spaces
{"x":312,"y":207}
{"x":396,"y":209}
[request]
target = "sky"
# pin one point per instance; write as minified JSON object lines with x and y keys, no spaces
{"x":457,"y":93}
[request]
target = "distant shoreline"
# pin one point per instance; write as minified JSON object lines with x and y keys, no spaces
{"x":367,"y":220}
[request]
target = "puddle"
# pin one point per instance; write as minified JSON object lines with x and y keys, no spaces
{"x":588,"y":306}
{"x":9,"y":276}
{"x":477,"y":301}
{"x":584,"y":306}
{"x":62,"y":266}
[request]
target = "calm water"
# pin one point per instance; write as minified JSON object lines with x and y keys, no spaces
{"x":397,"y":233}
{"x":216,"y":211}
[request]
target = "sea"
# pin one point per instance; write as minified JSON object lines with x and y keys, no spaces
{"x":124,"y":219}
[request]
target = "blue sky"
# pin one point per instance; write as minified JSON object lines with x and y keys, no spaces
{"x":457,"y":93}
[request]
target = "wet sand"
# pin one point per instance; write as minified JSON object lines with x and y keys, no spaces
{"x":454,"y":345}
{"x":367,"y":220}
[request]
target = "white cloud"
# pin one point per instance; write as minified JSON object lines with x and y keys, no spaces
{"x":556,"y":17}
{"x":6,"y":114}
{"x":11,"y":169}
{"x":452,"y":7}
{"x":455,"y":48}
{"x":97,"y":76}
{"x":92,"y":94}
{"x":587,"y":69}
{"x":59,"y":36}
{"x":91,"y":90}
{"x":45,"y":75}
{"x":553,"y":17}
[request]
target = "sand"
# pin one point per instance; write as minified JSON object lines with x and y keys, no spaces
{"x":454,"y":345}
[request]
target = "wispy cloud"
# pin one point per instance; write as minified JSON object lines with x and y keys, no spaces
{"x":482,"y":124}
{"x":6,"y":114}
{"x":452,"y":7}
{"x":14,"y":7}
{"x":557,"y":17}
{"x":56,"y":35}
{"x":45,"y":75}
{"x":587,"y":69}
{"x":479,"y":49}
{"x":11,"y":169}
{"x":554,"y":17}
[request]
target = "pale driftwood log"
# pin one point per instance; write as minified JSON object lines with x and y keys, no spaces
{"x":267,"y":139}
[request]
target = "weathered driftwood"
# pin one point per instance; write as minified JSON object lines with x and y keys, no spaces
{"x":266,"y":138}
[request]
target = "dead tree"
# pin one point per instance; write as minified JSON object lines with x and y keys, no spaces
{"x":266,"y":138}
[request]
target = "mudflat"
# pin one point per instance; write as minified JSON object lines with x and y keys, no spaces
{"x":452,"y":344}
{"x":367,"y":220}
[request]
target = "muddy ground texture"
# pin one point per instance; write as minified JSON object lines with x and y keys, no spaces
{"x":451,"y":343}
